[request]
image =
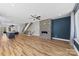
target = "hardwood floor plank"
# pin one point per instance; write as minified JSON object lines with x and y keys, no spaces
{"x":24,"y":45}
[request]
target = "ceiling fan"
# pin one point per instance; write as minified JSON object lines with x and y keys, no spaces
{"x":34,"y":17}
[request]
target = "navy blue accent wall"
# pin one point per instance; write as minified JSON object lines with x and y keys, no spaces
{"x":60,"y":28}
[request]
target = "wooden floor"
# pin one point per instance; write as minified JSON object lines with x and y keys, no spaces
{"x":24,"y":45}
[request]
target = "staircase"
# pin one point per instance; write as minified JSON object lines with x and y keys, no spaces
{"x":26,"y":27}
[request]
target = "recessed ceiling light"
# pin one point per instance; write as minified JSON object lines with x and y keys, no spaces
{"x":13,"y":5}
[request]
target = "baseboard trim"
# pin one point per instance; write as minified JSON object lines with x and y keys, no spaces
{"x":60,"y":39}
{"x":76,"y":49}
{"x":76,"y":41}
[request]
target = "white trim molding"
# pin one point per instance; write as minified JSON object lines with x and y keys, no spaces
{"x":77,"y":40}
{"x":60,"y":39}
{"x":75,"y":47}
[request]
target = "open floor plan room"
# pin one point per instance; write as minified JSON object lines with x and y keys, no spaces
{"x":39,"y":29}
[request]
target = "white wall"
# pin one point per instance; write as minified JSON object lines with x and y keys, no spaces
{"x":77,"y":24}
{"x":35,"y":28}
{"x":20,"y":27}
{"x":75,"y":29}
{"x":72,"y":27}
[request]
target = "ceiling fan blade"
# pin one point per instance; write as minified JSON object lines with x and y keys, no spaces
{"x":33,"y":19}
{"x":39,"y":19}
{"x":33,"y":16}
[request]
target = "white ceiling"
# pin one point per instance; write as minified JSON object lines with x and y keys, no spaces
{"x":20,"y":12}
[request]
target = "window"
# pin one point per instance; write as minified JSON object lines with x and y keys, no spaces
{"x":77,"y":25}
